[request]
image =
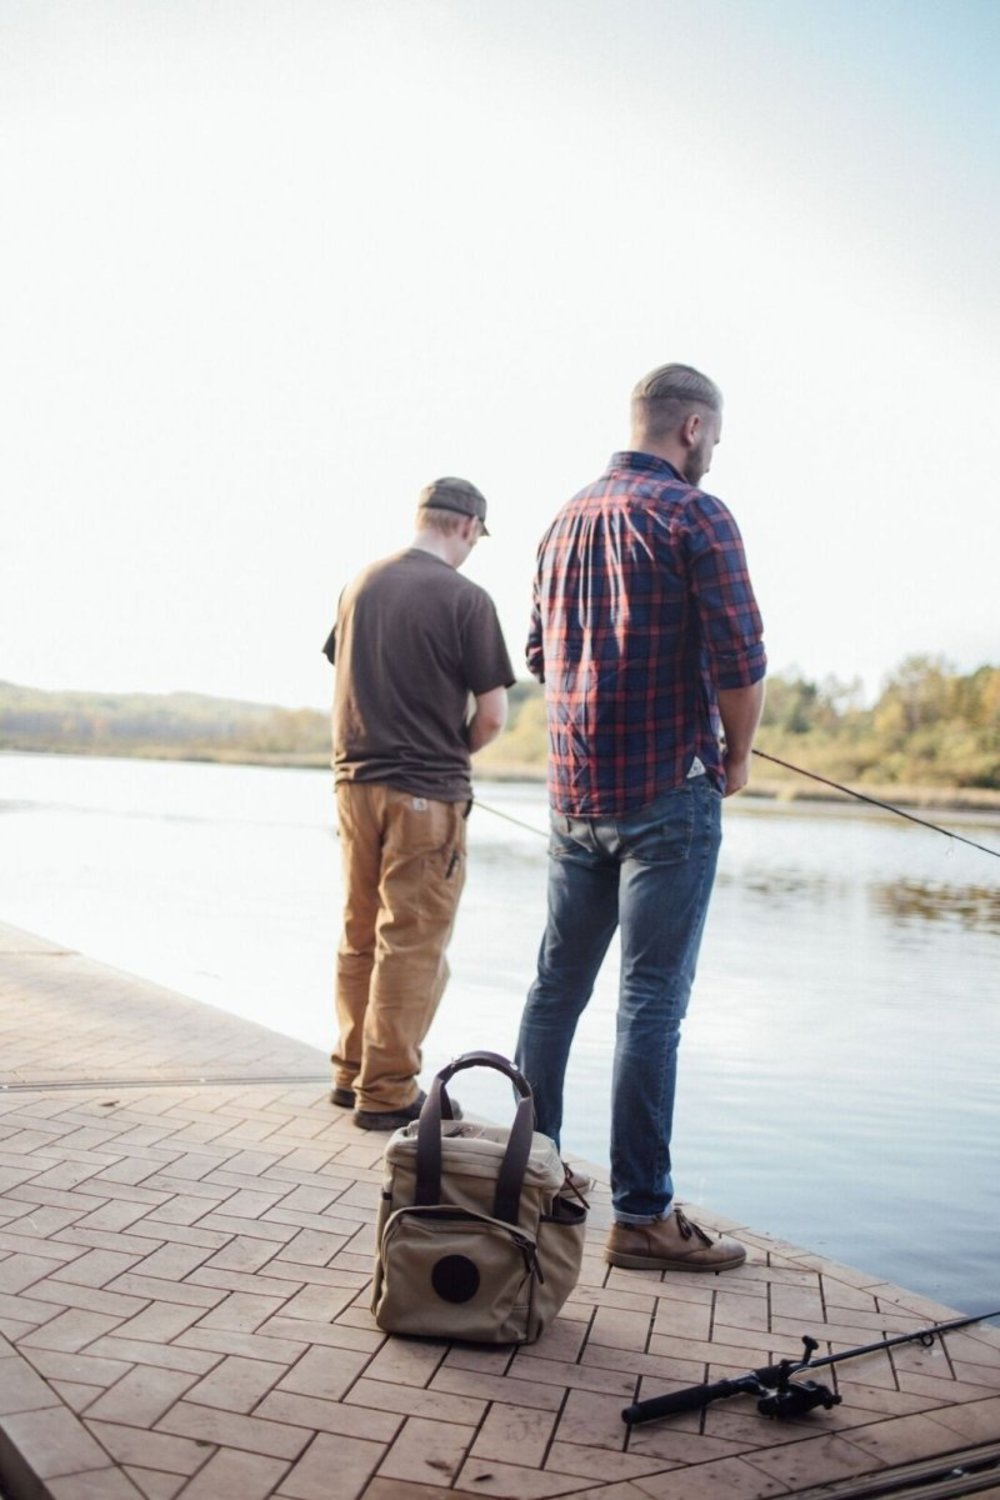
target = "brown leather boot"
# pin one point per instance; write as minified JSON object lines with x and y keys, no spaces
{"x":671,"y":1244}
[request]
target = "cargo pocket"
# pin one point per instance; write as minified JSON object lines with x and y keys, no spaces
{"x":443,"y":870}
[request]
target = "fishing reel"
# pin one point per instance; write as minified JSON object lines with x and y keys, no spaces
{"x":795,"y":1399}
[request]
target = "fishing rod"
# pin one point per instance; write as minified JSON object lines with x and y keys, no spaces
{"x":875,"y":802}
{"x":778,"y":1394}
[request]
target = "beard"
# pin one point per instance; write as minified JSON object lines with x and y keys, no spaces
{"x":698,"y":461}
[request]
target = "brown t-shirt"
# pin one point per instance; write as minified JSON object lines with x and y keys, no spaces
{"x":413,"y":639}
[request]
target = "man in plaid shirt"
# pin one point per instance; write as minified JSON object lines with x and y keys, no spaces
{"x":647,"y":636}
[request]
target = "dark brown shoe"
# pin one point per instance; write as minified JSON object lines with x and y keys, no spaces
{"x":343,"y":1098}
{"x":395,"y":1119}
{"x":671,"y":1244}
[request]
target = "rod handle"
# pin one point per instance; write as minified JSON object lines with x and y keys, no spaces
{"x":692,"y":1398}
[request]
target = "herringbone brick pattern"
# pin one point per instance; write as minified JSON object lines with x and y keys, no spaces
{"x":184,"y":1282}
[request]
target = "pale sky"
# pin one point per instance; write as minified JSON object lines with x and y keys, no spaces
{"x":269,"y":268}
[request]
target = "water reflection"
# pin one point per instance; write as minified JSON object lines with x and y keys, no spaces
{"x":910,"y":902}
{"x":783,"y":887}
{"x":905,"y":902}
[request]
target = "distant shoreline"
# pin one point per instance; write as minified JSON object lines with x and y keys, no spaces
{"x":977,"y":800}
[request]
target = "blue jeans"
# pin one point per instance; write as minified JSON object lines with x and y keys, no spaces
{"x":649,"y":873}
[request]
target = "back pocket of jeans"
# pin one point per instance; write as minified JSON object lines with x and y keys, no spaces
{"x":666,"y":838}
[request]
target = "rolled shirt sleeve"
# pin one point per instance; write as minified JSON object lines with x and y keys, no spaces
{"x":731,"y":626}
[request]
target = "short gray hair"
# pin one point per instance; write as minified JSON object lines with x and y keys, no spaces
{"x":662,"y":399}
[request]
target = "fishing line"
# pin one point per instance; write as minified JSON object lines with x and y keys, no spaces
{"x":812,"y":776}
{"x":518,"y":822}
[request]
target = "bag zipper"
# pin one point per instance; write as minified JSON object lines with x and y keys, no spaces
{"x":529,"y":1250}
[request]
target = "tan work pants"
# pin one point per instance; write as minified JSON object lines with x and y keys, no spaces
{"x":404,"y":869}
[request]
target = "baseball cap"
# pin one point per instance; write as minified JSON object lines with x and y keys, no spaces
{"x":457,"y":495}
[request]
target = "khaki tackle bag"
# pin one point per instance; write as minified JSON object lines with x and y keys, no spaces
{"x":480,"y":1231}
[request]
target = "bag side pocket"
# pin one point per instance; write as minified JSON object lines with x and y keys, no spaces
{"x":452,"y":1273}
{"x":561,"y":1234}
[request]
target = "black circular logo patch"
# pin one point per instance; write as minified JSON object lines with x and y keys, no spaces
{"x":455,"y":1279}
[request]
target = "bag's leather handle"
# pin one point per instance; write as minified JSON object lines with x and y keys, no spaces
{"x":510,"y":1178}
{"x":482,"y":1059}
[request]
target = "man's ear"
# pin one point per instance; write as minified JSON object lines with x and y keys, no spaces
{"x":691,"y":430}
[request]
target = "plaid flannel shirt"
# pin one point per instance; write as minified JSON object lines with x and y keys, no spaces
{"x":642,"y":610}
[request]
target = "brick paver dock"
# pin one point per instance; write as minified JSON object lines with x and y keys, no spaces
{"x":185,"y":1255}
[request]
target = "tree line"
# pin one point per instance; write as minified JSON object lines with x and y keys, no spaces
{"x":187,"y":726}
{"x":929,"y":727}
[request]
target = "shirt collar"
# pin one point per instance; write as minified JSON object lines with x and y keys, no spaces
{"x":649,"y":462}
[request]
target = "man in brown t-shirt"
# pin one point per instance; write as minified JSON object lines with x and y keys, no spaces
{"x":413,"y":643}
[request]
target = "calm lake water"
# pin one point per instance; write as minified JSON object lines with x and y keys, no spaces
{"x":839,"y":1068}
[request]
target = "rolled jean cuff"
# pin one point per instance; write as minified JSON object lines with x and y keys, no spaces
{"x":639,"y":1221}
